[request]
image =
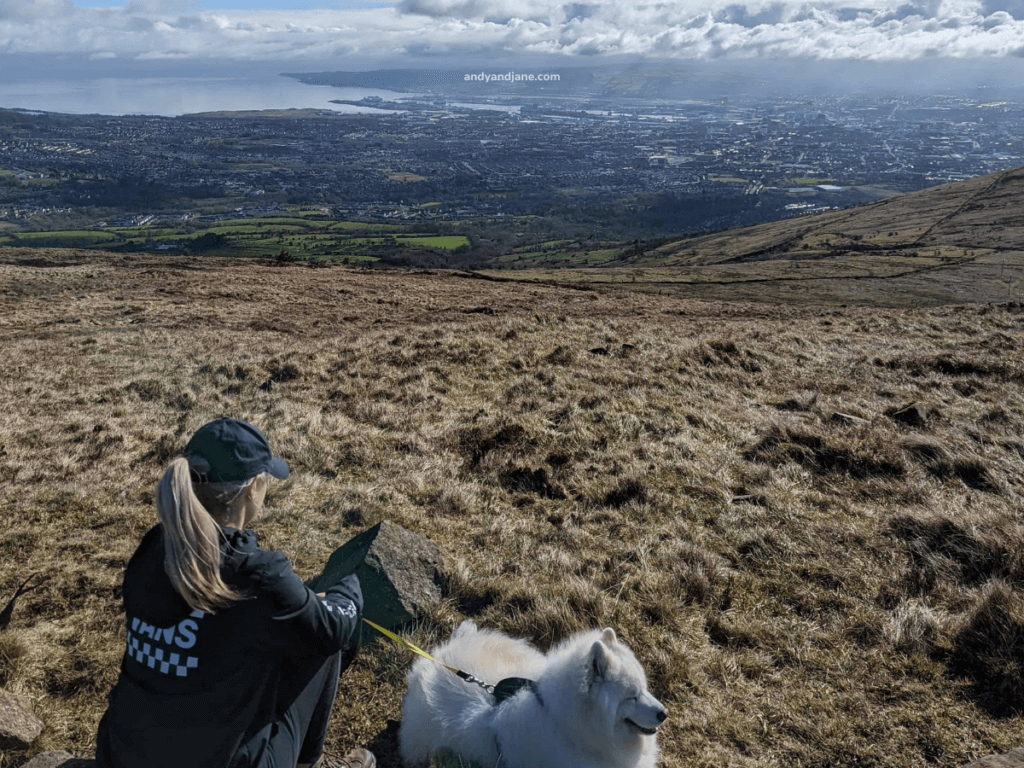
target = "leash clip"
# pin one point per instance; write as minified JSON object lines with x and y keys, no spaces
{"x":470,"y":679}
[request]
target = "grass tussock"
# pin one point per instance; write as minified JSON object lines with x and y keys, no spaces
{"x":941,"y":550}
{"x":989,"y":650}
{"x":802,"y":590}
{"x":913,"y":627}
{"x":858,"y":458}
{"x":12,"y":651}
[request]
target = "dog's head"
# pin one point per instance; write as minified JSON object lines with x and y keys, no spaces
{"x":615,"y":676}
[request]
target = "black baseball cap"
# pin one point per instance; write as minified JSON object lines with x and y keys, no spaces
{"x":230,"y":450}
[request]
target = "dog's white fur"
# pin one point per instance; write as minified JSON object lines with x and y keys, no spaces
{"x":590,"y":711}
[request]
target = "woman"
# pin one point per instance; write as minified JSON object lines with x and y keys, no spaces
{"x":231,"y":661}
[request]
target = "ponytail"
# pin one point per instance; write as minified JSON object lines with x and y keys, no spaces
{"x":191,"y":542}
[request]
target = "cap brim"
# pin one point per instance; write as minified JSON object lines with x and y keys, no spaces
{"x":278,"y":468}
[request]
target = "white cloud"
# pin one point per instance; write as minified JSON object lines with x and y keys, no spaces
{"x":21,"y":10}
{"x":870,"y":30}
{"x":162,"y":6}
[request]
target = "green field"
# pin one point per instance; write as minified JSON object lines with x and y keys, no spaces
{"x":160,"y":239}
{"x":268,"y":237}
{"x":448,"y":242}
{"x":243,"y":229}
{"x":307,"y":212}
{"x":146,"y":231}
{"x":361,"y":241}
{"x":270,"y":220}
{"x":543,"y":245}
{"x":83,"y":234}
{"x":559,"y":254}
{"x":364,"y":225}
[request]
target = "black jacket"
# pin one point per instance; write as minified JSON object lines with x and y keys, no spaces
{"x":195,"y":686}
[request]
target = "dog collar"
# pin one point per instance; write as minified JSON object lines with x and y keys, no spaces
{"x":510,"y":686}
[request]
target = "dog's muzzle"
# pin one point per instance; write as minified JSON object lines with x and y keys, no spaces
{"x":648,"y":731}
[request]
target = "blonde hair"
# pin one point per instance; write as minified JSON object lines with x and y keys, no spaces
{"x":191,"y":517}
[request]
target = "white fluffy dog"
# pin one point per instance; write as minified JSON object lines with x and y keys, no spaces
{"x":590,"y":707}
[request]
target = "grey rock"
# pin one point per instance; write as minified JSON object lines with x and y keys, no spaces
{"x":49,"y":759}
{"x":400,"y":573}
{"x":1012,"y":759}
{"x":849,"y":420}
{"x":912,"y":415}
{"x":58,"y":759}
{"x":18,"y":726}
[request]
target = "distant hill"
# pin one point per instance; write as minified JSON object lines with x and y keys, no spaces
{"x":986,"y":212}
{"x":957,"y":243}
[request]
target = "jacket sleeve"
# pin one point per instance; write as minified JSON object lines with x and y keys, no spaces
{"x":303,"y":623}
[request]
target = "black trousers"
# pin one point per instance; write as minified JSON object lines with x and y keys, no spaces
{"x":306,"y":693}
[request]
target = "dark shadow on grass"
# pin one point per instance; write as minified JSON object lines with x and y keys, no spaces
{"x":989,"y":652}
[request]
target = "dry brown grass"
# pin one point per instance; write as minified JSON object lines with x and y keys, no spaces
{"x":802,"y":592}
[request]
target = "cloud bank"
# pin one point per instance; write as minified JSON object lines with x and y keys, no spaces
{"x":860,"y":30}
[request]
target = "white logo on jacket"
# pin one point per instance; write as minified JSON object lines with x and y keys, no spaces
{"x":347,"y":609}
{"x":157,"y":658}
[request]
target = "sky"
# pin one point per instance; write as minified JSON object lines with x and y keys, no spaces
{"x":246,"y":5}
{"x":362,"y":34}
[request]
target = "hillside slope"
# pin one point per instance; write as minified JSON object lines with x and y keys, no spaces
{"x":986,"y":212}
{"x":805,"y":589}
{"x":961,"y":242}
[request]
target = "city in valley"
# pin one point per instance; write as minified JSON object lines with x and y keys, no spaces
{"x":474,"y":177}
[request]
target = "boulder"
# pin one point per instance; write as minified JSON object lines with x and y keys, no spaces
{"x":18,"y":726}
{"x":400,"y":573}
{"x":912,"y":415}
{"x":1012,"y":759}
{"x":59,"y":759}
{"x":849,"y":420}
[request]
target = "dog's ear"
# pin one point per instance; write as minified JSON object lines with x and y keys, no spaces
{"x":608,"y":636}
{"x":597,"y":663}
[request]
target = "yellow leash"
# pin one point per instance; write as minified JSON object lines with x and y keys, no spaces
{"x":504,"y":689}
{"x":414,"y":649}
{"x":410,"y":646}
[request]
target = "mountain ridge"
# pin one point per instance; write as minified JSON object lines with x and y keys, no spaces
{"x":945,"y":211}
{"x":953,"y":244}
